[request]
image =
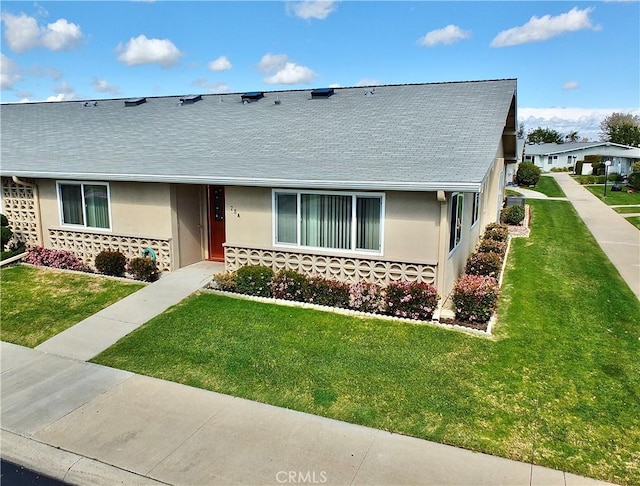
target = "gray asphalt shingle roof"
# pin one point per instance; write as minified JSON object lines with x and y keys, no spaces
{"x":421,"y":136}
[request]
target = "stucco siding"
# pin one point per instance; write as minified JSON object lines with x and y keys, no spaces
{"x":248,"y":216}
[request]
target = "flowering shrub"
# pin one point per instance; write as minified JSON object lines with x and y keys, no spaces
{"x":111,"y":263}
{"x":254,"y":280}
{"x":38,"y":255}
{"x":225,"y":281}
{"x":144,"y":269}
{"x":323,"y":291}
{"x":415,"y":300}
{"x":492,"y":246}
{"x":289,"y":285}
{"x":488,"y":264}
{"x":365,"y":297}
{"x":475,"y":298}
{"x":496,"y":231}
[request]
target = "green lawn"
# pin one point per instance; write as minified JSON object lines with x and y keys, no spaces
{"x":562,"y":375}
{"x":38,"y":303}
{"x":634,"y":220}
{"x":547,"y":185}
{"x":627,"y":209}
{"x":614,"y":198}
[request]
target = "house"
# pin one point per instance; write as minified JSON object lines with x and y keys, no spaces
{"x":549,"y":156}
{"x":379,"y":183}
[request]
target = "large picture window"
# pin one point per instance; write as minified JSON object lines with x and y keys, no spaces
{"x":455,"y":218}
{"x":84,"y":204}
{"x":340,"y":221}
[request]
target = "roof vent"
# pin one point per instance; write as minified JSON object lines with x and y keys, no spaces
{"x":370,"y":92}
{"x":252,"y":96}
{"x":187,"y":100}
{"x":90,"y":103}
{"x":321,"y":93}
{"x":135,"y":101}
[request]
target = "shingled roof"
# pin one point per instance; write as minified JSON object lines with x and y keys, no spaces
{"x":406,"y":137}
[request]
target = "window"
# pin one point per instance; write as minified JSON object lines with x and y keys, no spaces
{"x":528,"y":158}
{"x":476,"y":208}
{"x":455,"y":230}
{"x":552,"y":159}
{"x":351,"y":222}
{"x":84,"y":204}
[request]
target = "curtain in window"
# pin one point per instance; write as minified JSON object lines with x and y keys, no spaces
{"x":71,"y":203}
{"x":287,"y":218}
{"x":368,"y":229}
{"x":97,"y":206}
{"x":325,"y":221}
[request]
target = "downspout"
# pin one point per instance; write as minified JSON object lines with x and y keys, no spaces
{"x":442,"y":247}
{"x":36,"y":206}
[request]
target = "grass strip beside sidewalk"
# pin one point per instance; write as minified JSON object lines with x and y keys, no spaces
{"x":560,"y":382}
{"x":38,"y":303}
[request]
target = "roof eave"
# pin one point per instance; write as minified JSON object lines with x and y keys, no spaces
{"x":259,"y":182}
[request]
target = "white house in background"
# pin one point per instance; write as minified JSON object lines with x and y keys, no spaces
{"x":549,"y":156}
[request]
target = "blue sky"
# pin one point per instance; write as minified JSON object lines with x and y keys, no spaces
{"x":575,"y":61}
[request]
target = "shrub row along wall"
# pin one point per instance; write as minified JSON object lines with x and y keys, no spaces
{"x":413,"y":300}
{"x":476,"y":292}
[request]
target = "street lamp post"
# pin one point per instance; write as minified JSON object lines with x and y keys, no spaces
{"x":607,"y":163}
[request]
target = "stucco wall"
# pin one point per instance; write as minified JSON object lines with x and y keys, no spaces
{"x":137,"y":209}
{"x":411,"y":224}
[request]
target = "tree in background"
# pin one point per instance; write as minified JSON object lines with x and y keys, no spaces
{"x":571,"y":137}
{"x":520,"y":133}
{"x":622,"y":128}
{"x":544,"y":135}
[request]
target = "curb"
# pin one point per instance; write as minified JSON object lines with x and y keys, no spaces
{"x":64,"y":465}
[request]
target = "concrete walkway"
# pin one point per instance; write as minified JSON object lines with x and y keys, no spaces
{"x":88,"y":424}
{"x":619,"y":239}
{"x":531,"y":194}
{"x":98,"y":332}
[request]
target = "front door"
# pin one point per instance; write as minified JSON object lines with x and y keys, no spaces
{"x":216,"y":222}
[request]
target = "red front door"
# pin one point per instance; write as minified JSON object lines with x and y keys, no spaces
{"x":216,"y":222}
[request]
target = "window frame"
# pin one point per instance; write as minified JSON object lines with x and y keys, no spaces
{"x":475,"y":209}
{"x":82,"y":184}
{"x":354,"y":220}
{"x":456,"y":223}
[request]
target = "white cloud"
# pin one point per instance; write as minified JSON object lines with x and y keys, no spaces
{"x":585,"y":121}
{"x":369,"y":82}
{"x":447,"y":35}
{"x":23,"y":33}
{"x":212,"y":87}
{"x":58,"y":97}
{"x":311,"y":9}
{"x":140,"y":50}
{"x":61,"y":36}
{"x":569,"y":85}
{"x":63,"y":92}
{"x":543,"y":28}
{"x":220,"y":64}
{"x":279,"y":70}
{"x":103,"y":86}
{"x":9,"y":72}
{"x":334,"y":85}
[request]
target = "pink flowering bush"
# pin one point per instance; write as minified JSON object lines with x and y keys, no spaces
{"x":365,"y":297}
{"x":414,"y":300}
{"x":492,"y":246}
{"x":38,"y":255}
{"x":225,"y":281}
{"x":496,"y":231}
{"x":290,"y":285}
{"x":475,"y":298}
{"x":488,"y":264}
{"x":323,"y":291}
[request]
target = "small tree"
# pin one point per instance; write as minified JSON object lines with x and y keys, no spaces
{"x":528,"y":174}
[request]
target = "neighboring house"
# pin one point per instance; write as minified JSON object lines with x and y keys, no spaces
{"x":549,"y":156}
{"x":380,"y":183}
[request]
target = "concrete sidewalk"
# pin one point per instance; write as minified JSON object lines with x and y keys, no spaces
{"x":619,"y":239}
{"x":98,"y":332}
{"x":88,"y":424}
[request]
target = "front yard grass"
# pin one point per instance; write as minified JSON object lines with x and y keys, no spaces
{"x":616,"y":197}
{"x":634,"y":220}
{"x":38,"y":303}
{"x":627,"y":209}
{"x":548,"y":186}
{"x":560,"y":382}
